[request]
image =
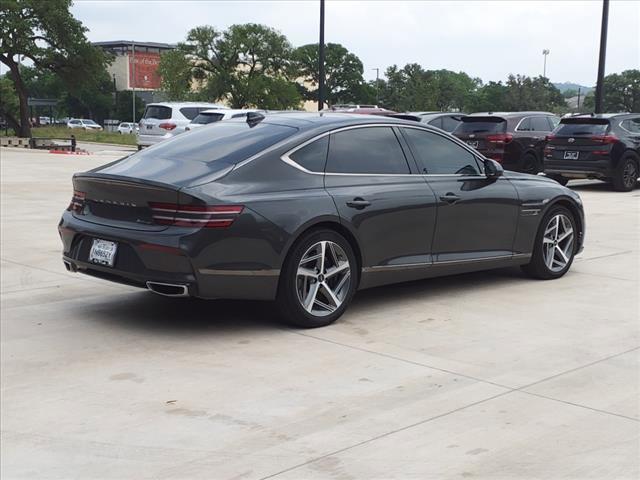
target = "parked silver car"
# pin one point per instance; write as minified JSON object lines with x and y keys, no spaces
{"x":83,"y":123}
{"x":167,"y":119}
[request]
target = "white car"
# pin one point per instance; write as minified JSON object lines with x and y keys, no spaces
{"x":164,"y":120}
{"x":83,"y":124}
{"x":211,"y":116}
{"x":127,"y":127}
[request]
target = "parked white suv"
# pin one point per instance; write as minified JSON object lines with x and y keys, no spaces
{"x":83,"y":124}
{"x":215,"y":115}
{"x":167,"y":119}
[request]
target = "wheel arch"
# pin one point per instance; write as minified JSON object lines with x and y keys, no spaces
{"x":570,"y":205}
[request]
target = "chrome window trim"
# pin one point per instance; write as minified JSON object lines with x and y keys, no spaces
{"x":289,"y":161}
{"x":517,"y":129}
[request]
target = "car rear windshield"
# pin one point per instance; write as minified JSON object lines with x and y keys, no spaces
{"x":192,"y":112}
{"x":575,"y":127}
{"x":157,"y":111}
{"x":226,"y":142}
{"x":482,"y":125}
{"x":204,"y":118}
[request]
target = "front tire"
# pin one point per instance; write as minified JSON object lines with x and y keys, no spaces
{"x":555,"y":245}
{"x":626,"y":175}
{"x":530,"y":164}
{"x":318,"y":280}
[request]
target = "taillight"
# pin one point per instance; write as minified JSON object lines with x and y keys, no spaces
{"x":167,"y":126}
{"x":548,"y":138}
{"x":604,"y":139}
{"x":500,"y":138}
{"x":77,"y":202}
{"x":198,"y":216}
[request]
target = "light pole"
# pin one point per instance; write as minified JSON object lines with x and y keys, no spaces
{"x":603,"y":54}
{"x":321,"y":60}
{"x":133,"y":81}
{"x":377,"y":85}
{"x":545,"y":52}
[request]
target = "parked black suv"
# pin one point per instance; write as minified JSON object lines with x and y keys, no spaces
{"x":604,"y":146}
{"x":515,"y":139}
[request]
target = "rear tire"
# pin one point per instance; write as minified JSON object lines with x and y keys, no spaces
{"x":560,"y":179}
{"x":530,"y":164}
{"x":555,"y":245}
{"x":626,"y":175}
{"x":318,"y":281}
{"x":139,"y":147}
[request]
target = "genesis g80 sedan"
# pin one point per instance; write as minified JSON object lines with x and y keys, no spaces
{"x":306,"y":209}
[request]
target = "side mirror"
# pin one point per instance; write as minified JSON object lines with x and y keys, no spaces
{"x":492,"y":169}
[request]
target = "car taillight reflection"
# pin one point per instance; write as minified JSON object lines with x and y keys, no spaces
{"x":197,"y":216}
{"x":77,"y":202}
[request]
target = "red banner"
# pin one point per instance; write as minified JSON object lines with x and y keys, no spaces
{"x":143,"y":70}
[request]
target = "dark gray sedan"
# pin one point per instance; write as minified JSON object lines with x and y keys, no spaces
{"x":306,"y":209}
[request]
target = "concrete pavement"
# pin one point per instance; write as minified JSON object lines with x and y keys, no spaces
{"x":486,"y":375}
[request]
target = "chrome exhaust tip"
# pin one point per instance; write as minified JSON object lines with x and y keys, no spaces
{"x":168,"y":289}
{"x":68,"y":265}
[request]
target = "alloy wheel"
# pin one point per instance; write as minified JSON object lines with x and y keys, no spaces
{"x":323,"y":278}
{"x":629,"y":175}
{"x":557,"y":242}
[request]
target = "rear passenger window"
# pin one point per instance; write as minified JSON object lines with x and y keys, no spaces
{"x":438,"y":155}
{"x":632,"y":125}
{"x":370,"y":150}
{"x":540,"y":124}
{"x":313,"y":157}
{"x":191,"y":112}
{"x":525,"y":125}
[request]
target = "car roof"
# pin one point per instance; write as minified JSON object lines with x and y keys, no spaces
{"x":232,"y":110}
{"x":603,"y":115}
{"x":188,"y":104}
{"x":507,"y":114}
{"x":441,"y":114}
{"x":308,"y":120}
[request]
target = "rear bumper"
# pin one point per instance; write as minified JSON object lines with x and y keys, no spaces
{"x":579,"y":169}
{"x":148,"y":140}
{"x":167,"y":257}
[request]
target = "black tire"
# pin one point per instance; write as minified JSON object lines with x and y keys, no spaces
{"x":530,"y":164}
{"x":288,"y":301}
{"x":537,"y":267}
{"x":560,"y":179}
{"x":627,"y":173}
{"x":139,"y":147}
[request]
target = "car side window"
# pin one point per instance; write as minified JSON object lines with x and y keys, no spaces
{"x":554,"y":121}
{"x":438,"y":155}
{"x":539,"y":124}
{"x":525,"y":125}
{"x":436,"y":122}
{"x":632,"y":125}
{"x":449,"y":124}
{"x":368,"y":150}
{"x":313,"y":156}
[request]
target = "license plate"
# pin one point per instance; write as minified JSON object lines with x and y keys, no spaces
{"x":103,"y":252}
{"x":472,"y":143}
{"x":571,"y":155}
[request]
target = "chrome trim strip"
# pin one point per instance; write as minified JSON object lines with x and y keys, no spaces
{"x":388,"y":268}
{"x":406,"y":266}
{"x":240,"y":273}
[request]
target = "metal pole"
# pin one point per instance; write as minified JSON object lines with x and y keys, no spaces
{"x":377,"y":85}
{"x":603,"y":54}
{"x":133,"y":80}
{"x":545,"y":52}
{"x":321,"y":60}
{"x":579,"y":91}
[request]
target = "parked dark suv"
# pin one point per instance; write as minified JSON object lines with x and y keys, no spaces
{"x":515,"y":139}
{"x":604,"y":146}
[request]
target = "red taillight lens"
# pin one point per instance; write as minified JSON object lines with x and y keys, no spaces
{"x":604,"y":139}
{"x":500,"y":138}
{"x":167,"y":126}
{"x":77,"y":202}
{"x":548,"y":138}
{"x":197,"y":216}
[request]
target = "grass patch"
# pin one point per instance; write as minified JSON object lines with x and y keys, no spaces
{"x":84,"y":135}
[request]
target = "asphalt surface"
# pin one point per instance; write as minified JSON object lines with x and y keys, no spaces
{"x":486,"y":375}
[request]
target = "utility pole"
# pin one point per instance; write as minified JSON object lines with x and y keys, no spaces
{"x":545,"y":52}
{"x":603,"y":54}
{"x":133,"y":81}
{"x":377,"y":85}
{"x":579,"y":91}
{"x":321,"y":60}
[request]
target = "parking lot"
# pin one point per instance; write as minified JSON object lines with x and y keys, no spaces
{"x":485,"y":375}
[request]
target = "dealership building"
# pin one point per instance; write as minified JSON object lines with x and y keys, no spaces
{"x":135,"y":66}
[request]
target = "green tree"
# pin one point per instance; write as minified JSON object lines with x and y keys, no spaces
{"x":621,"y":93}
{"x":247,"y":65}
{"x":123,"y":108}
{"x":45,"y":33}
{"x":176,"y":72}
{"x":343,"y":73}
{"x":9,"y":103}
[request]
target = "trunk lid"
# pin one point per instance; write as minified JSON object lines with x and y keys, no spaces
{"x":484,"y":133}
{"x":579,"y":139}
{"x":153,"y":117}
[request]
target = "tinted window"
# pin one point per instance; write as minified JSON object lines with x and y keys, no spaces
{"x":437,"y":122}
{"x":238,"y":115}
{"x":632,"y":125}
{"x":482,"y":125}
{"x":554,"y":122}
{"x":576,"y":128}
{"x":366,"y":150}
{"x":525,"y":125}
{"x":205,"y":118}
{"x":191,"y":112}
{"x":157,"y":111}
{"x":313,"y":156}
{"x":439,"y":155}
{"x":540,"y":124}
{"x":449,"y":124}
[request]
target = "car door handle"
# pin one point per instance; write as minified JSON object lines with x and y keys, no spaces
{"x":450,"y":197}
{"x":358,"y":203}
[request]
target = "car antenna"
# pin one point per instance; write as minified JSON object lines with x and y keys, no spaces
{"x":254,"y":118}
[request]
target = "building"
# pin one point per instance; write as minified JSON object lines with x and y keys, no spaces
{"x":135,"y":66}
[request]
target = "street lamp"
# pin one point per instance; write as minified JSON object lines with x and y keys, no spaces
{"x":545,"y":52}
{"x":377,"y":85}
{"x":321,"y":60}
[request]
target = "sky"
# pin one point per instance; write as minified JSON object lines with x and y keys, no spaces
{"x":486,"y":39}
